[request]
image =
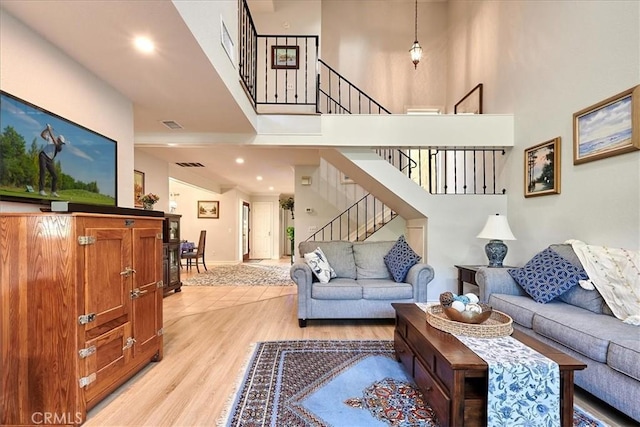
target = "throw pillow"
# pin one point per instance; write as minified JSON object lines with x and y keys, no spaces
{"x":318,"y":263}
{"x":400,"y":259}
{"x":547,"y":275}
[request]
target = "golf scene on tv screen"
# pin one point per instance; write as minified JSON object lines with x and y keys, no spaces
{"x":46,"y":157}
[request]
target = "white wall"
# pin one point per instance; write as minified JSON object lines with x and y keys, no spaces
{"x":224,"y":235}
{"x":544,"y":61}
{"x":368,"y":42}
{"x":156,"y":177}
{"x":222,"y":242}
{"x":33,"y":69}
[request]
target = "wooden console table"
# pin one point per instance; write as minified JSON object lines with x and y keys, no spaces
{"x":453,"y":378}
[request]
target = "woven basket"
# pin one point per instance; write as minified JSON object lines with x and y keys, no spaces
{"x":498,"y":325}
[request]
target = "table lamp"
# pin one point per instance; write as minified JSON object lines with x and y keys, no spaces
{"x":496,"y":230}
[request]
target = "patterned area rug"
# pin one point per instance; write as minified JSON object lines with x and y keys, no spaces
{"x":242,"y":275}
{"x":333,"y":383}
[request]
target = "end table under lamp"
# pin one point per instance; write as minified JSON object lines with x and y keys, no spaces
{"x":496,"y":230}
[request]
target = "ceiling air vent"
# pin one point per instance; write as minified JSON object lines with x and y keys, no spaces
{"x":190,"y":165}
{"x":171,"y":124}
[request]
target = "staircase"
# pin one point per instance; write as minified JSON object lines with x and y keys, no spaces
{"x":306,"y":84}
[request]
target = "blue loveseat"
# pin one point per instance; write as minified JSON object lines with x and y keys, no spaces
{"x":363,"y":288}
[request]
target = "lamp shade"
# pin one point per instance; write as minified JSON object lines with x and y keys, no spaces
{"x":496,"y":228}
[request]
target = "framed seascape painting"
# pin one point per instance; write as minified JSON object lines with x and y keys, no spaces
{"x":542,"y":169}
{"x":208,"y":209}
{"x":285,"y":57}
{"x":607,"y":128}
{"x":47,"y":157}
{"x":471,"y":103}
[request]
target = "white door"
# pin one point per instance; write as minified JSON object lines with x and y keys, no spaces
{"x":262,"y":230}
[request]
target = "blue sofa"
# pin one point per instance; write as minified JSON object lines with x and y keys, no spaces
{"x":363,"y":288}
{"x":580,"y":324}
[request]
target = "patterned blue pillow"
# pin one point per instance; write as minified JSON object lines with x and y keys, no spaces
{"x":400,"y":259}
{"x":547,"y":275}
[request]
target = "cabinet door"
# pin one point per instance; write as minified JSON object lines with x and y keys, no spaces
{"x":108,"y":274}
{"x":108,"y":360}
{"x":147,"y":302}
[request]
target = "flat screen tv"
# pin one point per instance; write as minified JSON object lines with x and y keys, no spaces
{"x":38,"y":147}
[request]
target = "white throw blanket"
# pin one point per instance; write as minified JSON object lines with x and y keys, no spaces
{"x":615,"y":273}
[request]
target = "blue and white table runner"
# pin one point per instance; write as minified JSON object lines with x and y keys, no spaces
{"x":524,"y":385}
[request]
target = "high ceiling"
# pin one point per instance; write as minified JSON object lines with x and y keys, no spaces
{"x":177,"y":83}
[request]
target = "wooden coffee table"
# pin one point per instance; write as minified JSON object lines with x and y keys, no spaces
{"x":453,"y":378}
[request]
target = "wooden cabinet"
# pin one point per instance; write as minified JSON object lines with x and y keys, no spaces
{"x":81,"y":310}
{"x":171,"y":254}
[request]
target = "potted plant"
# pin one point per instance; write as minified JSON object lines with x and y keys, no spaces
{"x":291,"y":237}
{"x":148,"y":200}
{"x":287,"y":205}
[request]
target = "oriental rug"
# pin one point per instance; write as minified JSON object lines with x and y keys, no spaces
{"x":333,"y":383}
{"x":253,"y":274}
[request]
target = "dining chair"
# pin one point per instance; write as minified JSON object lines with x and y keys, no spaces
{"x":197,"y":254}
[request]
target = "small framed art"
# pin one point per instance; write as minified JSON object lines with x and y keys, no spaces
{"x":138,"y":188}
{"x":471,"y":103}
{"x":542,"y":169}
{"x":285,"y":57}
{"x":607,"y":128}
{"x":208,"y":209}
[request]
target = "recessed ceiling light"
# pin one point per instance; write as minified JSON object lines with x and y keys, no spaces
{"x":144,"y":44}
{"x":270,"y":188}
{"x":259,"y":178}
{"x":239,"y":160}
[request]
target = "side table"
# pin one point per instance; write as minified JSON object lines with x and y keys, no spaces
{"x":467,"y":274}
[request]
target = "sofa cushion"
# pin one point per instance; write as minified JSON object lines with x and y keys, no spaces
{"x":581,"y":330}
{"x":588,"y":299}
{"x":338,"y":253}
{"x":400,"y":259}
{"x":380,"y":289}
{"x":319,"y":265}
{"x":369,"y":258}
{"x":337,"y":289}
{"x":624,"y":356}
{"x":547,"y":275}
{"x":519,"y":307}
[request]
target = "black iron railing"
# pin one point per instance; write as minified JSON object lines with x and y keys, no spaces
{"x":277,"y":69}
{"x":456,"y":170}
{"x":357,"y":222}
{"x":399,"y":158}
{"x":338,"y":95}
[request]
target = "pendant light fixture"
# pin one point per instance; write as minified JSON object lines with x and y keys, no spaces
{"x":416,"y":50}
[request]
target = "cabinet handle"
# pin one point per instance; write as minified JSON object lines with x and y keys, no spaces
{"x":129,"y":343}
{"x":128,"y":271}
{"x":428,"y":389}
{"x":137,"y":292}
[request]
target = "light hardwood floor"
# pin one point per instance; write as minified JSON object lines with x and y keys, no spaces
{"x":208,"y":332}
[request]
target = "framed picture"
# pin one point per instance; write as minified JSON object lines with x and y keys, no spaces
{"x":138,"y":188}
{"x":208,"y":209}
{"x":542,"y":169}
{"x":285,"y":57}
{"x":47,"y":157}
{"x":607,"y":128}
{"x":471,"y":103}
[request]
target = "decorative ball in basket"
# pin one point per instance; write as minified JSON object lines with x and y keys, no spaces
{"x":464,"y":308}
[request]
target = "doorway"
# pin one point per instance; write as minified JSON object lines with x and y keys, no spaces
{"x":246,"y":247}
{"x":262,"y":231}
